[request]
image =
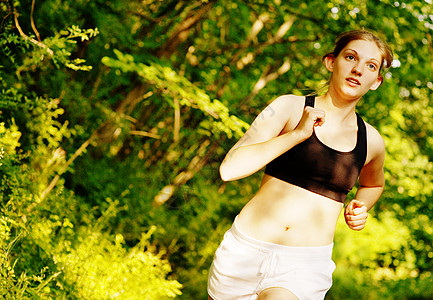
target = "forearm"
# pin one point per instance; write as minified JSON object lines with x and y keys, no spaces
{"x":243,"y":161}
{"x":355,"y":212}
{"x":369,"y":195}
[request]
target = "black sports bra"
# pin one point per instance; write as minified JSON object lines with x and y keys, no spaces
{"x":320,"y":169}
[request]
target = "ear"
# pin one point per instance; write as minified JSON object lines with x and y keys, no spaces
{"x":329,"y":62}
{"x":377,"y":83}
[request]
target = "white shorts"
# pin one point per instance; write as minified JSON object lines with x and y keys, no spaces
{"x":243,"y":267}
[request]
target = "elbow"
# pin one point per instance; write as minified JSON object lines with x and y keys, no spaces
{"x":225,"y":173}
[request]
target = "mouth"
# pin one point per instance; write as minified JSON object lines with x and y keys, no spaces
{"x":353,"y":81}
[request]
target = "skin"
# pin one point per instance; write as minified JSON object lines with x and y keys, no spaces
{"x":285,"y":214}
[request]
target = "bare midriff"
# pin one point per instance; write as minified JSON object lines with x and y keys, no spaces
{"x":286,"y":214}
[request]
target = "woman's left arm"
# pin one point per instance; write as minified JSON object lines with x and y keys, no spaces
{"x":371,"y":182}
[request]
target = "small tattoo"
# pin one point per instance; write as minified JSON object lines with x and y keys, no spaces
{"x":286,"y":228}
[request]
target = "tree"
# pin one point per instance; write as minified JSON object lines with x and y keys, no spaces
{"x":172,"y":86}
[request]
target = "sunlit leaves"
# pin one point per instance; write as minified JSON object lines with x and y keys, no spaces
{"x":9,"y":138}
{"x":167,"y":80}
{"x":198,"y":90}
{"x":100,"y":268}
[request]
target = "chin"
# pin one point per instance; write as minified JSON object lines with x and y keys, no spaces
{"x":354,"y":93}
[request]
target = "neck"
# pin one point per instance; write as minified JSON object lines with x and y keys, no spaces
{"x":338,"y":108}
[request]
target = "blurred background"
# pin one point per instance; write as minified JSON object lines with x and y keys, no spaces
{"x":115,"y":116}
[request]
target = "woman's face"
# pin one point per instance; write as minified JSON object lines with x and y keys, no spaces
{"x":355,"y":70}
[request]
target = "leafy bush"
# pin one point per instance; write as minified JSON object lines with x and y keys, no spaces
{"x":54,"y":245}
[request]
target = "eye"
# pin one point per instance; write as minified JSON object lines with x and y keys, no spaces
{"x":350,"y":57}
{"x":372,"y":67}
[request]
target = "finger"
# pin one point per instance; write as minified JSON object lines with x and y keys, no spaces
{"x":360,"y":210}
{"x":357,"y":224}
{"x":362,"y":216}
{"x":357,"y":203}
{"x":355,"y":207}
{"x":320,"y":117}
{"x":319,"y":121}
{"x":349,"y":208}
{"x":356,"y":221}
{"x":350,"y":205}
{"x":314,"y":112}
{"x":313,"y":117}
{"x":357,"y":228}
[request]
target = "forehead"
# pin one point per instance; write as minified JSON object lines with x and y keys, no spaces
{"x":366,"y":49}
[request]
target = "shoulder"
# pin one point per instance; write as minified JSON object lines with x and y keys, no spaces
{"x":375,"y":143}
{"x":287,"y":108}
{"x":279,"y":114}
{"x":288,"y":101}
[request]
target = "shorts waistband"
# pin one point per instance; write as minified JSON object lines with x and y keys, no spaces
{"x":310,"y":251}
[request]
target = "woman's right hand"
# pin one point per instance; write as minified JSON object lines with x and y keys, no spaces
{"x":280,"y":126}
{"x":311,"y":118}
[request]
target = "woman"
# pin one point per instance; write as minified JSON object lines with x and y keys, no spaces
{"x":314,"y":150}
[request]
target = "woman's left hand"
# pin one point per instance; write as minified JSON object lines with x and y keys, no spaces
{"x":356,"y":215}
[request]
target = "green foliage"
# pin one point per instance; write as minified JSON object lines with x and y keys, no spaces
{"x":9,"y":138}
{"x":49,"y":247}
{"x":57,"y":48}
{"x":63,"y":42}
{"x":99,"y":266}
{"x":175,"y":86}
{"x":160,"y":115}
{"x":380,"y":262}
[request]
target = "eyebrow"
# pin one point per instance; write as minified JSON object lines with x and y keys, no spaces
{"x":358,"y":54}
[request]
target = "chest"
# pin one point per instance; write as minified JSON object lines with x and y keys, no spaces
{"x":339,"y":138}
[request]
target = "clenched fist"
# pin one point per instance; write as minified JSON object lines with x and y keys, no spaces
{"x":356,"y":215}
{"x":311,"y":118}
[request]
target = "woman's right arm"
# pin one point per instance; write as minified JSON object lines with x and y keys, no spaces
{"x":263,"y":141}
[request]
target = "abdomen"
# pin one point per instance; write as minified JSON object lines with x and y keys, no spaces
{"x":285,"y":214}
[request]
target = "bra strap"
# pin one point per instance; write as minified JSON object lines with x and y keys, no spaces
{"x":361,"y":144}
{"x":309,"y":101}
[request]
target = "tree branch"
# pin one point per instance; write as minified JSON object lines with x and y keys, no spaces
{"x":32,"y":21}
{"x":181,"y":31}
{"x":101,"y":132}
{"x":196,"y":164}
{"x":264,"y":79}
{"x":26,"y":37}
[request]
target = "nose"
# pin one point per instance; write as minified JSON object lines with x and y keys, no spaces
{"x":357,"y":69}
